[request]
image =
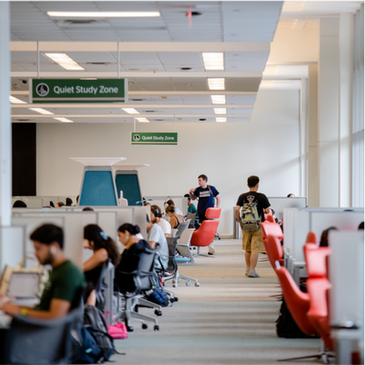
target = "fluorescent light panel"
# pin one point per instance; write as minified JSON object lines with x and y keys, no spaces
{"x":218,"y":99}
{"x":216,"y":84}
{"x":293,"y":6}
{"x":15,"y":100}
{"x":130,"y":110}
{"x":213,"y":61}
{"x":220,"y":110}
{"x":143,"y":120}
{"x":64,"y":120}
{"x":65,"y":61}
{"x":41,"y":111}
{"x":103,"y":14}
{"x":221,"y":120}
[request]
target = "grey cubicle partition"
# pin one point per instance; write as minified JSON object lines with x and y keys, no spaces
{"x":12,"y":245}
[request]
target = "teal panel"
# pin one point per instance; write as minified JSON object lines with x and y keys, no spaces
{"x":129,"y":184}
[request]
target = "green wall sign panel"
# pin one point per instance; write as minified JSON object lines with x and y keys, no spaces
{"x":155,"y":138}
{"x":79,"y":91}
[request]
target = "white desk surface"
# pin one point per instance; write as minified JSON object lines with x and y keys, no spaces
{"x":98,"y":161}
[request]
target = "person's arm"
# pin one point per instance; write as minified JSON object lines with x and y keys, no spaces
{"x":58,"y":308}
{"x":218,"y":200}
{"x":167,"y":235}
{"x":237,"y":212}
{"x":152,"y":244}
{"x":95,"y":260}
{"x":191,"y":193}
{"x":266,"y":210}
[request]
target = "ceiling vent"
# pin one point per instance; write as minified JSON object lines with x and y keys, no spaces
{"x":137,"y":99}
{"x":99,"y":63}
{"x":24,"y":120}
{"x":151,"y":111}
{"x":82,"y":22}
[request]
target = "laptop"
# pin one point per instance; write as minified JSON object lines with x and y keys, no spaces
{"x":23,"y":286}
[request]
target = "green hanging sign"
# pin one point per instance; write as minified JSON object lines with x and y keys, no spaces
{"x":154,"y":138}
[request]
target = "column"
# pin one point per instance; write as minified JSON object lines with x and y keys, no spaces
{"x":5,"y":120}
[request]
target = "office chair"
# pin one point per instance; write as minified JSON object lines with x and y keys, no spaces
{"x":274,"y":250}
{"x":269,"y":227}
{"x":181,"y":228}
{"x":36,"y":341}
{"x":191,"y":217}
{"x":312,"y":238}
{"x":101,"y":286}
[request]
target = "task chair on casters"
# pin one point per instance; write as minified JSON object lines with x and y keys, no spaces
{"x":204,"y":236}
{"x":36,"y":341}
{"x":143,"y":279}
{"x":270,"y":228}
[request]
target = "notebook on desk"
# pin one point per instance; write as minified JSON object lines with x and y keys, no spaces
{"x":23,"y":285}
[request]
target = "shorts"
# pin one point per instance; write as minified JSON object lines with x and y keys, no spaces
{"x":252,"y":241}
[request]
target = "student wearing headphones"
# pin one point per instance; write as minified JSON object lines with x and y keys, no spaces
{"x":156,"y":218}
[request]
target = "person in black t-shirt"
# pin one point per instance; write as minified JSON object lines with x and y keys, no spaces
{"x":252,"y":241}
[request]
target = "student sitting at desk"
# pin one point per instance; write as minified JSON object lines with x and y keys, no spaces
{"x":104,"y":248}
{"x":156,"y":217}
{"x":66,"y":281}
{"x":175,"y":219}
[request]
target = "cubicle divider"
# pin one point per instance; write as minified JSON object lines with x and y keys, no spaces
{"x":346,"y":274}
{"x":42,"y":201}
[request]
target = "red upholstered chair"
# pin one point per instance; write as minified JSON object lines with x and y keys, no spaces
{"x":204,"y":235}
{"x":316,"y":259}
{"x":274,"y":250}
{"x":269,"y":215}
{"x":312,"y":238}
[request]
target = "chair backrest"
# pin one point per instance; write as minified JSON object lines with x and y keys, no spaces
{"x":181,"y":228}
{"x":191,"y":216}
{"x":269,"y":217}
{"x":271,"y":228}
{"x":312,"y":238}
{"x":101,"y":286}
{"x":172,"y":243}
{"x":205,"y":234}
{"x":142,"y":278}
{"x":273,"y":249}
{"x":186,"y":236}
{"x":213,"y":213}
{"x":35,"y":341}
{"x":296,"y":300}
{"x":316,"y":259}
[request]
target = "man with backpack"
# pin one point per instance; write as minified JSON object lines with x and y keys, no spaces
{"x":253,"y":205}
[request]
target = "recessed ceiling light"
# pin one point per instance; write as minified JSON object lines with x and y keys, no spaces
{"x":41,"y":111}
{"x":143,"y":120}
{"x":64,"y":120}
{"x":221,"y":120}
{"x":185,"y":68}
{"x":216,"y":84}
{"x":130,"y":110}
{"x":213,"y":61}
{"x":293,"y":6}
{"x":65,"y":61}
{"x":220,"y":110}
{"x":194,"y":13}
{"x":16,"y":100}
{"x":218,"y":99}
{"x":103,"y":14}
{"x":202,"y":119}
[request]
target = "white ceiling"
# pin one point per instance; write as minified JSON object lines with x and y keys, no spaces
{"x":153,"y":51}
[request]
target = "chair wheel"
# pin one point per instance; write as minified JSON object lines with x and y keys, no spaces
{"x":176,"y":299}
{"x":130,"y":329}
{"x":144,"y":326}
{"x":156,"y":328}
{"x":188,"y":283}
{"x":174,"y":284}
{"x":197,"y":284}
{"x":158,"y":313}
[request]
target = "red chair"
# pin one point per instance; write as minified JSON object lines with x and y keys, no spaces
{"x":316,"y":259}
{"x":312,"y":238}
{"x":204,"y":235}
{"x":274,"y":250}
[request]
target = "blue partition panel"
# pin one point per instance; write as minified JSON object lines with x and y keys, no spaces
{"x":98,"y":189}
{"x":129,"y":184}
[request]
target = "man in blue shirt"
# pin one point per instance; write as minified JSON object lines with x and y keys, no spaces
{"x":207,"y":195}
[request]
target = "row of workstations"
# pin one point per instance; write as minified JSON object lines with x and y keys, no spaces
{"x":345,"y":268}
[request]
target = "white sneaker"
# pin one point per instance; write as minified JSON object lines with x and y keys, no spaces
{"x":247,"y":272}
{"x":253,"y":274}
{"x":211,"y":251}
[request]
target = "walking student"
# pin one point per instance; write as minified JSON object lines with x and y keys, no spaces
{"x":253,"y":206}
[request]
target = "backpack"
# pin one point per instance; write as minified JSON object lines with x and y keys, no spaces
{"x":95,"y":323}
{"x":250,"y":219}
{"x":157,"y":294}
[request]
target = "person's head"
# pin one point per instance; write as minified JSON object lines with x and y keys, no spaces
{"x":60,"y":204}
{"x":19,"y":204}
{"x":170,"y":210}
{"x":88,"y":209}
{"x":324,"y":237}
{"x":95,"y":239}
{"x":253,"y":182}
{"x":51,"y":204}
{"x":146,"y":204}
{"x":202,"y":180}
{"x":126,"y":231}
{"x":155,"y":214}
{"x":361,"y":226}
{"x":68,"y":202}
{"x":291,"y":195}
{"x":77,"y":200}
{"x":48,"y":241}
{"x":170,"y":202}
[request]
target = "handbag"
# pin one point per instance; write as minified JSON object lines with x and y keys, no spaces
{"x":117,"y":330}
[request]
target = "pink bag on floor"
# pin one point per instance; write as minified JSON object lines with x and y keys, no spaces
{"x":117,"y":330}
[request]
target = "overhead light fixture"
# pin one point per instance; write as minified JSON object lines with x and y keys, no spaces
{"x":293,"y":6}
{"x":103,"y":14}
{"x":65,"y":61}
{"x":16,"y":101}
{"x":213,"y":61}
{"x":216,"y":84}
{"x":64,"y":120}
{"x":41,"y":111}
{"x":130,"y":110}
{"x":220,"y":110}
{"x":143,"y":120}
{"x":221,"y":120}
{"x":218,"y":99}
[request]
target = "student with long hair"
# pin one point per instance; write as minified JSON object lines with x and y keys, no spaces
{"x":104,"y":248}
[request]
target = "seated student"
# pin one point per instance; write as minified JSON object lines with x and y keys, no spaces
{"x":104,"y":248}
{"x":19,"y":204}
{"x":290,"y":195}
{"x":156,"y":217}
{"x":69,"y":202}
{"x":175,"y":219}
{"x":66,"y":281}
{"x":60,"y":205}
{"x":157,"y":241}
{"x":361,"y":226}
{"x":134,"y":246}
{"x":324,"y":236}
{"x":171,"y":202}
{"x":88,"y":209}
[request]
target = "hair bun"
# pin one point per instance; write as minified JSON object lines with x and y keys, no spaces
{"x":137,"y":229}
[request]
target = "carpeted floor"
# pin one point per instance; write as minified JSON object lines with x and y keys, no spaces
{"x":229,"y":319}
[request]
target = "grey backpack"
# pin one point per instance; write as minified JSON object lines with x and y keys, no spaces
{"x":250,"y":219}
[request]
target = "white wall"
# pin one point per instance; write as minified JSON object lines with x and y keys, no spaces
{"x":226,"y":152}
